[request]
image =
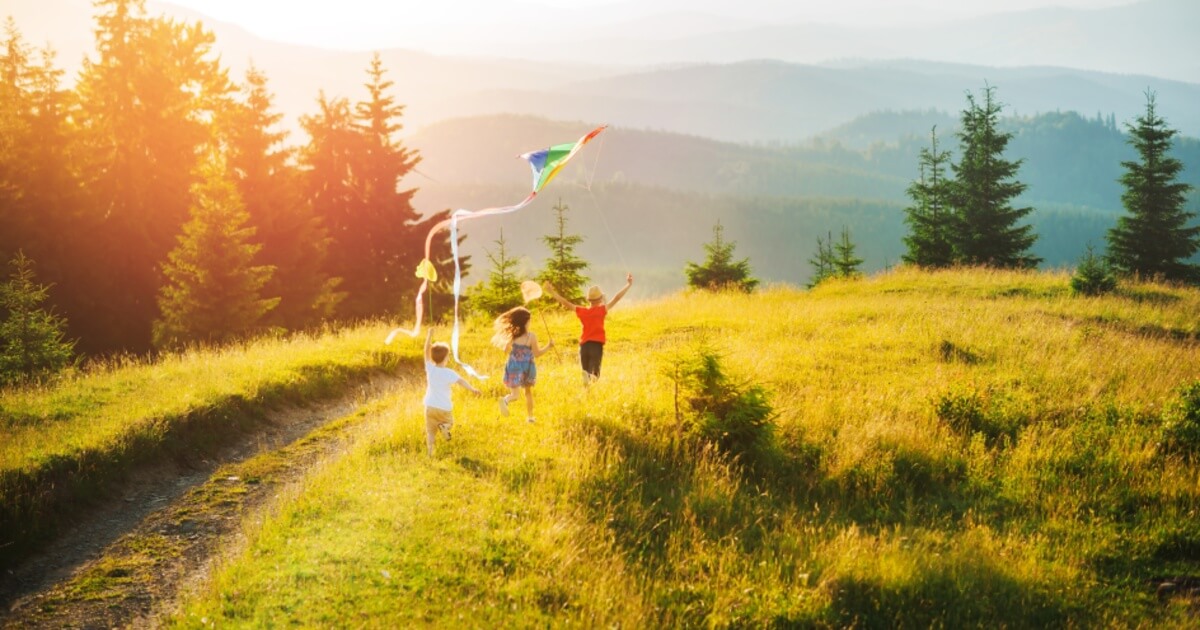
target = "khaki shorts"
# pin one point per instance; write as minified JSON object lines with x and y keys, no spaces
{"x":435,"y":417}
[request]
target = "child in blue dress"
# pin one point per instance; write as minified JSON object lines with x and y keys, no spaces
{"x":513,"y":334}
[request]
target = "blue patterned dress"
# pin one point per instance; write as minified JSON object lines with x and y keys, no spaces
{"x":520,"y":371}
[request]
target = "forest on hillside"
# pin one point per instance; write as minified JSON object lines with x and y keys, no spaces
{"x":161,"y":205}
{"x":1068,"y":158}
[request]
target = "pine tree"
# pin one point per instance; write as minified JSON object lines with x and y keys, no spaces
{"x":823,"y":262}
{"x":719,"y":270}
{"x":213,"y":290}
{"x":502,"y":290}
{"x":1092,"y":276}
{"x":564,"y":268}
{"x":32,"y":340}
{"x":146,"y":102}
{"x":986,"y":231}
{"x":381,"y":268}
{"x":16,"y":218}
{"x":845,"y":263}
{"x":293,"y":239}
{"x":931,"y":222}
{"x":1154,"y":240}
{"x":353,"y":168}
{"x":40,"y":194}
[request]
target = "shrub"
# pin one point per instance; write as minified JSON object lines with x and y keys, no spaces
{"x":1093,"y":276}
{"x":1181,"y":426}
{"x":737,"y":419}
{"x":32,"y":339}
{"x":720,"y":271}
{"x":969,"y":412}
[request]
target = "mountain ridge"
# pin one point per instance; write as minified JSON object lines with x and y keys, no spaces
{"x":746,"y":101}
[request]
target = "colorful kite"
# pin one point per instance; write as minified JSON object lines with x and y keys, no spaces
{"x":545,"y":165}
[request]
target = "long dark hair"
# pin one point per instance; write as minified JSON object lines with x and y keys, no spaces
{"x":511,"y":324}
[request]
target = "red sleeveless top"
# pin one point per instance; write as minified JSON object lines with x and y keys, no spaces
{"x":592,"y":319}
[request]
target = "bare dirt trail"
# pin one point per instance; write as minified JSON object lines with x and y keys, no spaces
{"x":123,"y":564}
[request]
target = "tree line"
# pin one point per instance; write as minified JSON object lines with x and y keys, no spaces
{"x":962,"y":212}
{"x":159,"y":202}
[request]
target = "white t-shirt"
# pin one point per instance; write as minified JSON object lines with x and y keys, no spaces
{"x":437,"y":390}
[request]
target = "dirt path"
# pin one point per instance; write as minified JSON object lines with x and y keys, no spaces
{"x":122,"y":564}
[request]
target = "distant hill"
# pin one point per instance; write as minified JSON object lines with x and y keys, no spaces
{"x":765,"y":101}
{"x":745,"y":101}
{"x":648,"y":200}
{"x":1068,"y":159}
{"x":1148,"y":37}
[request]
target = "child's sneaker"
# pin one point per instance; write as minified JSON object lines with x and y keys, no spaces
{"x":445,"y":429}
{"x":504,"y":406}
{"x":529,"y":419}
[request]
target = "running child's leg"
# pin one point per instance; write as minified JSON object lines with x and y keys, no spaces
{"x":513,"y":394}
{"x":431,"y":428}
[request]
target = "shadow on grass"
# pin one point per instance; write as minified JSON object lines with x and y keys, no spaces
{"x":476,"y":467}
{"x":963,"y":594}
{"x":655,"y":495}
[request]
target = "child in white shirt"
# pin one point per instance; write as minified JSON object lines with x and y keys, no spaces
{"x":438,"y":380}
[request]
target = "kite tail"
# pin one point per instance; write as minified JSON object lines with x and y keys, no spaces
{"x":428,"y":273}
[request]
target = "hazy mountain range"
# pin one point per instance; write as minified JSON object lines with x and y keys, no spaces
{"x":722,"y":92}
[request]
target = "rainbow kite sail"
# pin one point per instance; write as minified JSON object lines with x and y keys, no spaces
{"x":545,"y":164}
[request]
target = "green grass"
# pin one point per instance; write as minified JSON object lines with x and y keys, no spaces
{"x":958,"y":449}
{"x":65,"y":444}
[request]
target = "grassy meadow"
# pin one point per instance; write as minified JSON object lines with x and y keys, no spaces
{"x":63,"y":444}
{"x":966,"y":448}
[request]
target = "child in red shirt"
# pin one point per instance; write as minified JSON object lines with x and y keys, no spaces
{"x":591,"y":315}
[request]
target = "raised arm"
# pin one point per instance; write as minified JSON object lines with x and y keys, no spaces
{"x":620,"y":294}
{"x":557,"y":298}
{"x":428,"y":338}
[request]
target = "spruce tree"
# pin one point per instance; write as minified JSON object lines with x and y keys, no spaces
{"x":382,"y":252}
{"x":930,"y":220}
{"x":720,"y":270}
{"x":32,"y":340}
{"x":985,"y":186}
{"x":16,"y":218}
{"x":293,"y":239}
{"x":845,"y":263}
{"x":822,"y":262}
{"x":146,"y":102}
{"x":1154,"y":239}
{"x":1093,"y":275}
{"x":564,"y":268}
{"x":502,"y":290}
{"x":213,"y":289}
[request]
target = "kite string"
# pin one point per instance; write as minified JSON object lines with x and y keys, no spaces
{"x":596,"y":204}
{"x":612,"y":236}
{"x":595,"y":164}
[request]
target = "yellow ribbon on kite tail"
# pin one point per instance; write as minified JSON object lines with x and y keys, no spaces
{"x":545,"y":164}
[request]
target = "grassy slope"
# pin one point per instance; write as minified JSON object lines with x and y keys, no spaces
{"x":966,"y":448}
{"x":64,"y":445}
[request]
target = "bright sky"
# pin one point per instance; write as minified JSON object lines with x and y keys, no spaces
{"x":431,"y":24}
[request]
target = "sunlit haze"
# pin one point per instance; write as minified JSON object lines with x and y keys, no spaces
{"x":457,"y":26}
